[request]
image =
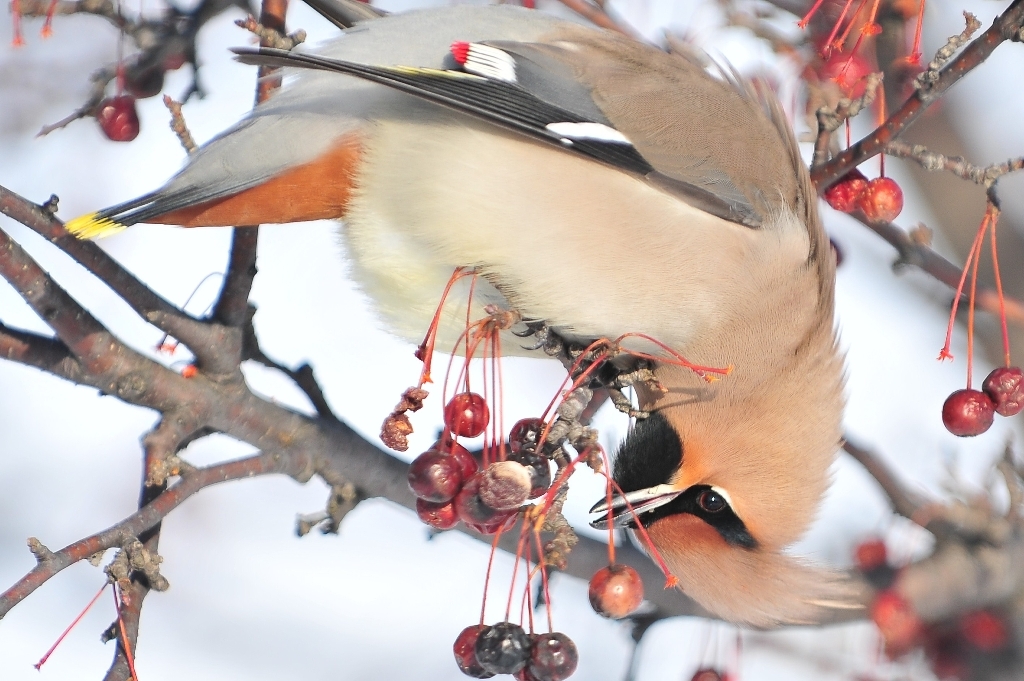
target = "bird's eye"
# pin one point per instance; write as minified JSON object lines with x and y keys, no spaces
{"x":711,"y":501}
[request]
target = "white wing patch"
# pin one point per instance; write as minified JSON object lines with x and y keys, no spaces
{"x":588,"y":131}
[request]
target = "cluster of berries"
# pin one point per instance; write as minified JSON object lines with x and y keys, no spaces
{"x":967,"y":412}
{"x":880,"y":199}
{"x":953,"y":648}
{"x":448,"y":481}
{"x":505,"y":648}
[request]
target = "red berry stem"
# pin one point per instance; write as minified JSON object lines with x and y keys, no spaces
{"x":118,"y":601}
{"x":970,"y":311}
{"x":991,"y":210}
{"x":608,"y":500}
{"x":16,"y":40}
{"x":915,"y":52}
{"x":515,"y":571}
{"x":71,"y":626}
{"x":487,"y":576}
{"x":48,"y":23}
{"x":944,"y":353}
{"x":425,"y":351}
{"x":543,"y":576}
{"x":670,"y":579}
{"x":828,"y":49}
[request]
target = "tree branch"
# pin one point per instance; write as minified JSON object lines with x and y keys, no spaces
{"x":1006,"y":26}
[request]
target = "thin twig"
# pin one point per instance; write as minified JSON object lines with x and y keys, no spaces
{"x":1006,"y":26}
{"x":985,"y":176}
{"x":178,"y":125}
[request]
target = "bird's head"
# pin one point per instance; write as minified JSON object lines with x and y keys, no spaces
{"x":723,"y":479}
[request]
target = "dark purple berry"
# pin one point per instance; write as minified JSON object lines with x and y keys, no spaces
{"x":968,"y":412}
{"x":439,"y":516}
{"x":1005,"y":387}
{"x":525,"y":434}
{"x":539,"y":469}
{"x":503,"y":648}
{"x":435,"y":476}
{"x":470,"y":507}
{"x":554,"y":657}
{"x":465,"y":652}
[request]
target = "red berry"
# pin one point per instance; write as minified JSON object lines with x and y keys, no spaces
{"x":439,"y":516}
{"x":843,"y":195}
{"x":525,"y":434}
{"x":465,"y":652}
{"x":118,"y":118}
{"x":539,"y":469}
{"x":467,"y":414}
{"x":467,"y":462}
{"x":1006,"y":389}
{"x":616,"y":591}
{"x":471,"y":508}
{"x":848,"y":71}
{"x":968,"y":412}
{"x":984,"y":630}
{"x":896,"y":621}
{"x":553,"y":658}
{"x":881,"y":200}
{"x":525,"y":674}
{"x":707,"y":674}
{"x":435,"y":476}
{"x":505,"y":485}
{"x":503,"y":648}
{"x":870,"y":554}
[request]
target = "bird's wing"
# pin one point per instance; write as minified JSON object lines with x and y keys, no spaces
{"x":526,"y":88}
{"x":308,"y":133}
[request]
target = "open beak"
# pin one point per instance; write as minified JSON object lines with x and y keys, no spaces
{"x":623,"y":509}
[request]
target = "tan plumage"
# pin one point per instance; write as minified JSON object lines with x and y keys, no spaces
{"x":707,"y":238}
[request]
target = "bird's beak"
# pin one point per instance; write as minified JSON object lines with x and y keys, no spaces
{"x":623,"y":508}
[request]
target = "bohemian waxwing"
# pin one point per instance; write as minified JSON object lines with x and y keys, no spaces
{"x":605,"y":187}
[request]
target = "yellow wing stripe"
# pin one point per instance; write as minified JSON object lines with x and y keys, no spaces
{"x":93,"y":226}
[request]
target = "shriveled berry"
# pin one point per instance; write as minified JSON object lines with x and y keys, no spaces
{"x":503,"y":648}
{"x":843,"y":195}
{"x":118,"y":118}
{"x":1005,"y":388}
{"x":984,"y":630}
{"x":505,"y":485}
{"x":707,"y":674}
{"x":896,"y":620}
{"x":440,"y":516}
{"x":539,"y":469}
{"x":616,"y":591}
{"x":467,"y":414}
{"x":881,"y":200}
{"x":465,"y":652}
{"x":435,"y":476}
{"x":471,"y":508}
{"x":968,"y":412}
{"x":554,"y":657}
{"x":467,"y":462}
{"x":525,"y":434}
{"x":870,"y":554}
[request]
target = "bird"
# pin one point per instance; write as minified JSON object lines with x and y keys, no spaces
{"x":606,"y":187}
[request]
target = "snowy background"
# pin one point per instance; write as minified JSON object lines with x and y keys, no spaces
{"x":249,"y":600}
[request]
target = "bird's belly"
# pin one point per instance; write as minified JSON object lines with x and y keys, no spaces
{"x":585,"y":247}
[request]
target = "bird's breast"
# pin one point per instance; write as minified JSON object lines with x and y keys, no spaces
{"x":561,"y":238}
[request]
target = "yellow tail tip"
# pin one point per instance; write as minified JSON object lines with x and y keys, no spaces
{"x":92,"y":226}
